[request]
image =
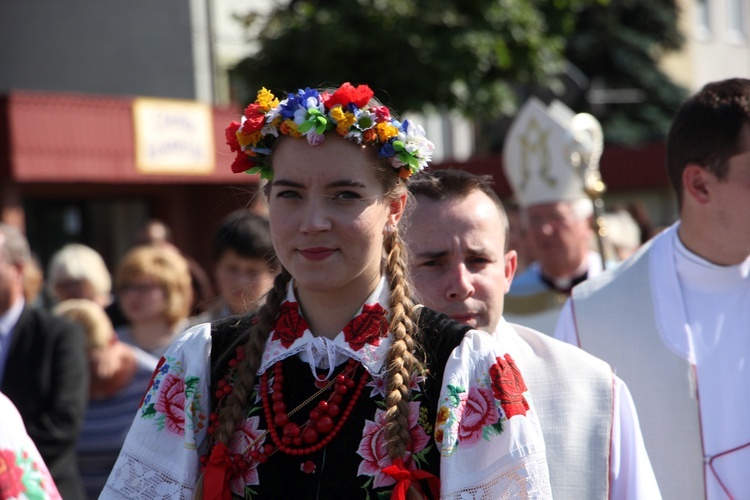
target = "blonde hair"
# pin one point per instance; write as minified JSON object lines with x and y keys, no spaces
{"x":81,"y":263}
{"x":168,"y":269}
{"x":401,"y":363}
{"x":92,"y":318}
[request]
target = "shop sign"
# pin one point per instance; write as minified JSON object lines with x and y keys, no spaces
{"x":173,"y":137}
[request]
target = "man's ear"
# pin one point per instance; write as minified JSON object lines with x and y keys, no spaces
{"x":511,"y":264}
{"x":397,"y":207}
{"x":696,"y":182}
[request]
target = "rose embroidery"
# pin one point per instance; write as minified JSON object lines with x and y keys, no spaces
{"x":11,"y":482}
{"x":373,"y":451}
{"x":290,"y":326}
{"x":171,"y":403}
{"x":247,"y":474}
{"x":476,"y":411}
{"x":366,"y":328}
{"x":23,"y":477}
{"x":508,"y":386}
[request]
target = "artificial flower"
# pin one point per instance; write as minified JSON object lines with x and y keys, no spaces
{"x":311,"y":114}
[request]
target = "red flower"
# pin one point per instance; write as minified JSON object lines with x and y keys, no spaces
{"x":242,"y":162}
{"x":367,"y":328}
{"x":382,"y":114}
{"x":172,"y":404}
{"x":11,"y":475}
{"x":290,"y":325}
{"x":508,"y":386}
{"x":231,"y":135}
{"x":348,"y":94}
{"x":255,"y":119}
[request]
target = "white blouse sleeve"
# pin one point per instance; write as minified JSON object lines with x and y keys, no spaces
{"x":487,"y":430}
{"x":161,"y":454}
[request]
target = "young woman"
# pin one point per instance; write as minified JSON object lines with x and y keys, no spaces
{"x":154,"y":292}
{"x":340,"y":386}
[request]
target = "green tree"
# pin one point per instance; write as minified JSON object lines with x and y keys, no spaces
{"x":467,"y":56}
{"x":618,"y":48}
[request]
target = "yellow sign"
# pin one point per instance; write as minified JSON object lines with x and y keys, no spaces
{"x":173,"y":137}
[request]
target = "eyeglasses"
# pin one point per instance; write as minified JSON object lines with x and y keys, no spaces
{"x":141,"y":288}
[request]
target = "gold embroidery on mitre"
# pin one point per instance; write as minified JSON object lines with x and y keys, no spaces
{"x":534,"y":142}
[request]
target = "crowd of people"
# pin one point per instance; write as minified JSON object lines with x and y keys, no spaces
{"x":385,"y":330}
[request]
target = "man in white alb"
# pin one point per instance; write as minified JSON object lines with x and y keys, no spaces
{"x":674,"y":319}
{"x":457,"y":240}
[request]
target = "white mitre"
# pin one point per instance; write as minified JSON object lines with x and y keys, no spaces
{"x":547,"y":150}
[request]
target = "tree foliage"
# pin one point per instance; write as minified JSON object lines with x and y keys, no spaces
{"x":467,"y":56}
{"x":618,"y":48}
{"x":477,"y":57}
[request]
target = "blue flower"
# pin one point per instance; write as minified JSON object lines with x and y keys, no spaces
{"x":156,"y":383}
{"x":164,"y":369}
{"x":387,"y":150}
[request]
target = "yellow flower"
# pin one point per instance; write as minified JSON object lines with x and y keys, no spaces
{"x":443,"y":414}
{"x":385,"y":131}
{"x":266,"y":99}
{"x":248,"y":139}
{"x":288,"y":127}
{"x":344,"y":119}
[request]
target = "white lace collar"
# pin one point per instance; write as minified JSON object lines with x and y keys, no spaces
{"x":370,"y":349}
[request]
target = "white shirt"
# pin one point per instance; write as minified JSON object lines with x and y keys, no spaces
{"x":711,"y":306}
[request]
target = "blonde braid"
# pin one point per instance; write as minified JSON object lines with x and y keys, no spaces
{"x":402,"y":362}
{"x":235,"y":408}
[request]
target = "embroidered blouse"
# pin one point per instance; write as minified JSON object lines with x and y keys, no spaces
{"x":472,"y":422}
{"x":23,"y":474}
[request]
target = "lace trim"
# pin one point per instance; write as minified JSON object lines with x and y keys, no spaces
{"x":519,"y":481}
{"x":136,"y":477}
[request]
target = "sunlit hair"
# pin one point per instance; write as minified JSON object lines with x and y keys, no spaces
{"x":92,"y":318}
{"x":167,"y":268}
{"x":403,"y":359}
{"x":14,"y":247}
{"x":79,"y":263}
{"x":707,"y":129}
{"x":450,"y":184}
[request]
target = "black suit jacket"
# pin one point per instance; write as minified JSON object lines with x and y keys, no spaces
{"x":46,"y":377}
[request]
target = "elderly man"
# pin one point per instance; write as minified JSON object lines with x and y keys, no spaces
{"x":457,"y":237}
{"x":545,"y":152}
{"x":43,"y":368}
{"x":673,"y":319}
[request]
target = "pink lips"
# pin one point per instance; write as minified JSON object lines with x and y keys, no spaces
{"x":464,"y":318}
{"x":318,"y":253}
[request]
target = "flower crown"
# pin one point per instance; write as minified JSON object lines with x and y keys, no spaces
{"x":311,"y":114}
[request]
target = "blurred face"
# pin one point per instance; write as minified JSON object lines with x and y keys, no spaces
{"x":11,"y":284}
{"x":242,"y":281}
{"x":558,"y":237}
{"x":69,"y":288}
{"x":142,"y":300}
{"x":457,"y":258}
{"x":328,"y":212}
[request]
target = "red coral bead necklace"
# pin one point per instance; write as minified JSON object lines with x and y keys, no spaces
{"x":322,"y":426}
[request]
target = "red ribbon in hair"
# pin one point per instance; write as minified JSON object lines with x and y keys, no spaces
{"x":217,"y":474}
{"x":405,"y":477}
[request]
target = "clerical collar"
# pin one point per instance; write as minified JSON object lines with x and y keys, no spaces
{"x":696,"y":273}
{"x":564,"y":284}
